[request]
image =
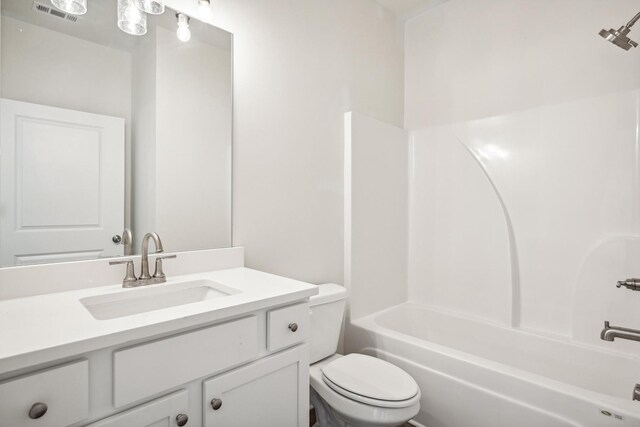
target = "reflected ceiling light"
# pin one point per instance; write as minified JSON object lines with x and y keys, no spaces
{"x":131,"y":20}
{"x":183,"y":33}
{"x":73,"y":7}
{"x":152,"y":7}
{"x":204,"y":7}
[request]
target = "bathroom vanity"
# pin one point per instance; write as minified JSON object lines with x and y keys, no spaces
{"x":225,"y":347}
{"x":146,"y":114}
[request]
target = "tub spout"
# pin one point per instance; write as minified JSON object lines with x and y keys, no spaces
{"x":610,"y":333}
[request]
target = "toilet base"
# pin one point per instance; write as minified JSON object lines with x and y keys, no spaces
{"x":327,"y":417}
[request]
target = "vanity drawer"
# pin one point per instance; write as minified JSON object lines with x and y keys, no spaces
{"x":63,"y":391}
{"x":151,"y":368}
{"x":287,"y":326}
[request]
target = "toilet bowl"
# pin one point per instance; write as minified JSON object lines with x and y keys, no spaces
{"x":355,"y":390}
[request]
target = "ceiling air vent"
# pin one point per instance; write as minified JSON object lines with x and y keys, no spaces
{"x":48,"y":10}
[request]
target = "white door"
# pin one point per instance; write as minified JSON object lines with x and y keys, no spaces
{"x":61,"y":184}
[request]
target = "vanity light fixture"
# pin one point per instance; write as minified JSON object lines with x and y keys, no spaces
{"x":152,"y":7}
{"x":204,"y":8}
{"x":131,"y":20}
{"x":183,"y":33}
{"x":73,"y":7}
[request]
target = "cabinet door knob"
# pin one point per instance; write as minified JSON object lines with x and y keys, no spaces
{"x":293,"y":327}
{"x":216,"y":404}
{"x":182,"y":419}
{"x":37,"y":410}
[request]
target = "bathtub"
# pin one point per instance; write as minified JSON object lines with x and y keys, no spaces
{"x":477,"y":374}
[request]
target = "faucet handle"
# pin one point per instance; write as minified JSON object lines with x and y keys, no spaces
{"x":130,"y":276}
{"x":159,"y":275}
{"x":633,"y":284}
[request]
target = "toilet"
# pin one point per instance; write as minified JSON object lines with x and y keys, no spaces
{"x":353,"y":390}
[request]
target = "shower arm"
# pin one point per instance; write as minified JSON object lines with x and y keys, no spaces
{"x":633,"y":21}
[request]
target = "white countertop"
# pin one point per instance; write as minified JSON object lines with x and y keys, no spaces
{"x":43,"y":328}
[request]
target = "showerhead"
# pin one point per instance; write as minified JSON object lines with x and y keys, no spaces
{"x":619,"y":37}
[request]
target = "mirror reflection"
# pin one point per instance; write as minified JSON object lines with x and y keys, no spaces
{"x":111,"y":121}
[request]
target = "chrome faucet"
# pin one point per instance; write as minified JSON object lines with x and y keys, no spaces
{"x":144,"y":263}
{"x":145,"y":278}
{"x":610,"y":333}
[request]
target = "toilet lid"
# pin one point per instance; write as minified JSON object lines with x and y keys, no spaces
{"x":371,"y":378}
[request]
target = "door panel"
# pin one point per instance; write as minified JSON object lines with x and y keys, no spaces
{"x":270,"y":392}
{"x":61,"y":184}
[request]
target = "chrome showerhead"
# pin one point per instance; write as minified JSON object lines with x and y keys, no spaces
{"x":619,"y":36}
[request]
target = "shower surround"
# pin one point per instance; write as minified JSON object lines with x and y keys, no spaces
{"x":523,"y":211}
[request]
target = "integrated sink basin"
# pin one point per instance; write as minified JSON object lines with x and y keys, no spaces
{"x":144,"y":299}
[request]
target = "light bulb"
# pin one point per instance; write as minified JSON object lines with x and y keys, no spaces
{"x":74,"y":7}
{"x":183,"y":33}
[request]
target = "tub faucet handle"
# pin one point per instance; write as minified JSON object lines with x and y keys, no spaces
{"x":632,"y":284}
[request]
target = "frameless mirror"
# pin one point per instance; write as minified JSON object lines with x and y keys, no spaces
{"x":102,"y":131}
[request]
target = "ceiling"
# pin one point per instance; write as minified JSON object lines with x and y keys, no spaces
{"x":405,"y":9}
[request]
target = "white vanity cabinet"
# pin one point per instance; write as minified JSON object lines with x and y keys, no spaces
{"x":254,"y":367}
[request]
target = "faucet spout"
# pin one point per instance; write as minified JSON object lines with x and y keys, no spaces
{"x":610,"y":333}
{"x":144,"y":275}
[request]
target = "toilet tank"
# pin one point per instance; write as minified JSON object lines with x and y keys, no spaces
{"x":327,"y":312}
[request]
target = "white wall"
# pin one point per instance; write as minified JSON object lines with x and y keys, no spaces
{"x":376,"y":214}
{"x":182,"y":151}
{"x":91,"y":78}
{"x":143,"y":149}
{"x":524,"y":138}
{"x":193,"y":137}
{"x":470,"y":59}
{"x":299,"y":66}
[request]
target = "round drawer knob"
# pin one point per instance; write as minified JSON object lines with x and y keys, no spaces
{"x":293,"y":327}
{"x":216,"y":404}
{"x":182,"y":419}
{"x":37,"y":410}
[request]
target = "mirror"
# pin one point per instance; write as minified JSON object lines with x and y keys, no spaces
{"x":102,"y":131}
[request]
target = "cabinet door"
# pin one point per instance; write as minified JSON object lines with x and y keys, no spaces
{"x":158,"y":413}
{"x":273,"y":391}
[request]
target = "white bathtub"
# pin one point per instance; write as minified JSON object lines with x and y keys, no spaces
{"x":477,"y":374}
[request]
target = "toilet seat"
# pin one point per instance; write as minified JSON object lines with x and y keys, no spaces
{"x":371,"y":381}
{"x":355,"y":410}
